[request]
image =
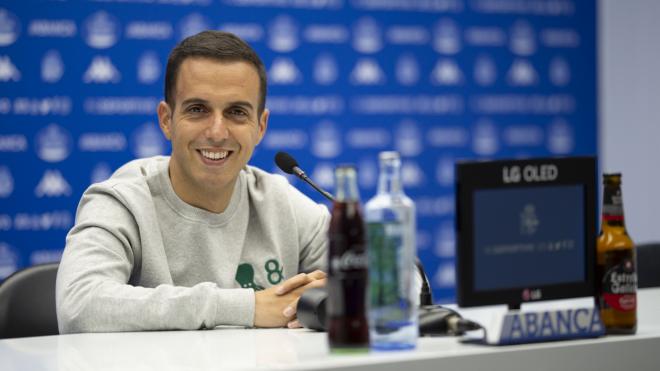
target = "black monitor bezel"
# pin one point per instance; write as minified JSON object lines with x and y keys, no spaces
{"x":474,"y":176}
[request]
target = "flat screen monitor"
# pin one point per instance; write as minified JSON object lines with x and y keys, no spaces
{"x":526,"y":230}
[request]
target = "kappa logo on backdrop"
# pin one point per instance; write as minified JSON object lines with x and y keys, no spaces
{"x":560,"y":137}
{"x":6,"y":182}
{"x":100,"y":172}
{"x":52,"y":184}
{"x":284,"y":71}
{"x":445,"y":276}
{"x":147,"y":141}
{"x":446,"y":37}
{"x":407,"y":70}
{"x":445,"y":240}
{"x":412,"y":174}
{"x":101,"y":30}
{"x":326,"y":71}
{"x":192,"y":24}
{"x":560,"y":71}
{"x":53,"y":143}
{"x":446,"y":72}
{"x":52,"y":67}
{"x":485,"y":72}
{"x":101,"y":71}
{"x":326,"y":140}
{"x":148,"y":68}
{"x":367,"y":36}
{"x":444,"y":172}
{"x":522,"y":40}
{"x":522,"y":73}
{"x":408,"y":139}
{"x":367,"y":72}
{"x":368,"y":174}
{"x":10,"y":27}
{"x":8,"y":71}
{"x":283,"y":34}
{"x":324,"y":174}
{"x":485,"y":141}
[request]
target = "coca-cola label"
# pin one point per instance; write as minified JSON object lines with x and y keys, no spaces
{"x":620,"y":287}
{"x":349,"y":261}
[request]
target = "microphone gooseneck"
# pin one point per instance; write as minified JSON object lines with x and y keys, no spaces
{"x":289,"y":165}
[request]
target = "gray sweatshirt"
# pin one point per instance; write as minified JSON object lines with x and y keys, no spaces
{"x":140,"y":258}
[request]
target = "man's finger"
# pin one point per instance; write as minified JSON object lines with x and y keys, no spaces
{"x":316,"y":283}
{"x":290,"y":310}
{"x":317,"y":274}
{"x":294,"y":324}
{"x":294,"y":282}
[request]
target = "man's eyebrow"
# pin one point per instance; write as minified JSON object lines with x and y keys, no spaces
{"x":194,"y":101}
{"x":242,"y":103}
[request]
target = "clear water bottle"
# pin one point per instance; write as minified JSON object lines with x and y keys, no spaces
{"x":390,"y":218}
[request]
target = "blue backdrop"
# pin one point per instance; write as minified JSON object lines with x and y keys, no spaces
{"x":437,"y":80}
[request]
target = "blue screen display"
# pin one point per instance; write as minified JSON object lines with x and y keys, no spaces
{"x":527,"y":237}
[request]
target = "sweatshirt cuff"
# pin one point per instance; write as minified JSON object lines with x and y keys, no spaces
{"x":235,"y":307}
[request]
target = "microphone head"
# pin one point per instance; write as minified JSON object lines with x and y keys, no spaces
{"x":285,"y":162}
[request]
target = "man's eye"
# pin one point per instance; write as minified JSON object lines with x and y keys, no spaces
{"x":238,"y":112}
{"x":196,"y":109}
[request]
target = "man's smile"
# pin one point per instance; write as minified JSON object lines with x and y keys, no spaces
{"x":214,"y":156}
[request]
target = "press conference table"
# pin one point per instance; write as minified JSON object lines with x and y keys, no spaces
{"x":256,"y":349}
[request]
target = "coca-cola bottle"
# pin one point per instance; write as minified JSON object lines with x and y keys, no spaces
{"x":348,"y":329}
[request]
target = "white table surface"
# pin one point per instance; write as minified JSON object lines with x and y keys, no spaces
{"x":250,"y":349}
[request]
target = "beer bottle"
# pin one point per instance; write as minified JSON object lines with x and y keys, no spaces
{"x":347,"y":325}
{"x":390,"y":219}
{"x":616,"y":263}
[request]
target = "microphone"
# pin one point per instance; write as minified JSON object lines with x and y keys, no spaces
{"x":289,"y":165}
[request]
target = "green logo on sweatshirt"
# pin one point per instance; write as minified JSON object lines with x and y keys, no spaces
{"x":274,"y":271}
{"x":245,"y":274}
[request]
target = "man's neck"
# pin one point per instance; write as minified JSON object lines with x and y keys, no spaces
{"x":213,"y":200}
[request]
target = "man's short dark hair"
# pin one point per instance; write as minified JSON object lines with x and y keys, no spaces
{"x":218,"y":45}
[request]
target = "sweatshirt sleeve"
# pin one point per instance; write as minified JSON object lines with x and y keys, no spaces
{"x":93,"y":293}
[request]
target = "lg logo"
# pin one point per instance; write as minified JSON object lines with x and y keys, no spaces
{"x":530,"y":173}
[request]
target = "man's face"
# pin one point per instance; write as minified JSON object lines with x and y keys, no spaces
{"x":214,"y":127}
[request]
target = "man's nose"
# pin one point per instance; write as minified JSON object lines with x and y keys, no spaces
{"x":218,"y":128}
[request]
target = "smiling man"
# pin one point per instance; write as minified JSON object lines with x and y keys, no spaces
{"x":200,"y":238}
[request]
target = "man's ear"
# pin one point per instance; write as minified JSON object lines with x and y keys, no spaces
{"x":263,"y":124}
{"x":165,"y":119}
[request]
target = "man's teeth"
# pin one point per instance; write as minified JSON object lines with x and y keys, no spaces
{"x":214,"y":155}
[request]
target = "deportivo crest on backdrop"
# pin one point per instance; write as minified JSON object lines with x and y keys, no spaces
{"x":435,"y":80}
